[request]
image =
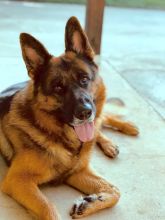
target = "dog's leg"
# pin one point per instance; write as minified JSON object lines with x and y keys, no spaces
{"x":109,"y":149}
{"x":23,"y":188}
{"x":120,"y":125}
{"x":100,"y":193}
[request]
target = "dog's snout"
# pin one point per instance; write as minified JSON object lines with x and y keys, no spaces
{"x":83,"y":111}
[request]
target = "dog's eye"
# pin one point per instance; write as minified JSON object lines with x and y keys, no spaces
{"x":84,"y":80}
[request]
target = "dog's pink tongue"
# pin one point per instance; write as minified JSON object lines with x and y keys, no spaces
{"x":85,"y":132}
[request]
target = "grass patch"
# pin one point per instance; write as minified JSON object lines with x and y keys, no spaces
{"x":155,"y":4}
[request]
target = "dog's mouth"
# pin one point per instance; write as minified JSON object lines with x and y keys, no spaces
{"x":84,"y":128}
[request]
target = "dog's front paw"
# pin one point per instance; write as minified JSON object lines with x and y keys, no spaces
{"x":80,"y":207}
{"x":109,"y":149}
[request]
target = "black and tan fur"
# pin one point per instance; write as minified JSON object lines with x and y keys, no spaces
{"x":36,"y":137}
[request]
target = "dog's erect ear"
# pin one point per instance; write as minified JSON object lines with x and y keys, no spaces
{"x":34,"y":54}
{"x":76,"y":39}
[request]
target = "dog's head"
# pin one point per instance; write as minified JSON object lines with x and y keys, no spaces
{"x":64,"y":86}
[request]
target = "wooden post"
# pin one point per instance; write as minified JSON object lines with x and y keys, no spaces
{"x":94,"y":21}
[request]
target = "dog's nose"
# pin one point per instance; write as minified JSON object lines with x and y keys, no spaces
{"x":83,"y":111}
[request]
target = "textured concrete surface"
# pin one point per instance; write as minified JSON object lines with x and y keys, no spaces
{"x":136,"y":49}
{"x":131,"y":64}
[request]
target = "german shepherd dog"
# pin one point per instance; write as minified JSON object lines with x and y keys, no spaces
{"x":48,"y":127}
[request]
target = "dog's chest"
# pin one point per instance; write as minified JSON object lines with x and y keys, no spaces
{"x":63,"y":163}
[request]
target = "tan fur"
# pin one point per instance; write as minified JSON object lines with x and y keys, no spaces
{"x":88,"y":182}
{"x":120,"y":125}
{"x":42,"y":149}
{"x":106,"y":145}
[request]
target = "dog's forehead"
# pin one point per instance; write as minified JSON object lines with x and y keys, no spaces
{"x":69,"y":63}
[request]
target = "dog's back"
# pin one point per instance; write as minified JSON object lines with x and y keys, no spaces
{"x":6,"y":98}
{"x":7,"y":95}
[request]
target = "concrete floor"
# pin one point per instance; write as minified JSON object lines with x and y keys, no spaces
{"x":132,"y":65}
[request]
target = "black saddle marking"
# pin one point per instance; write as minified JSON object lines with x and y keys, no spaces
{"x":7,"y":95}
